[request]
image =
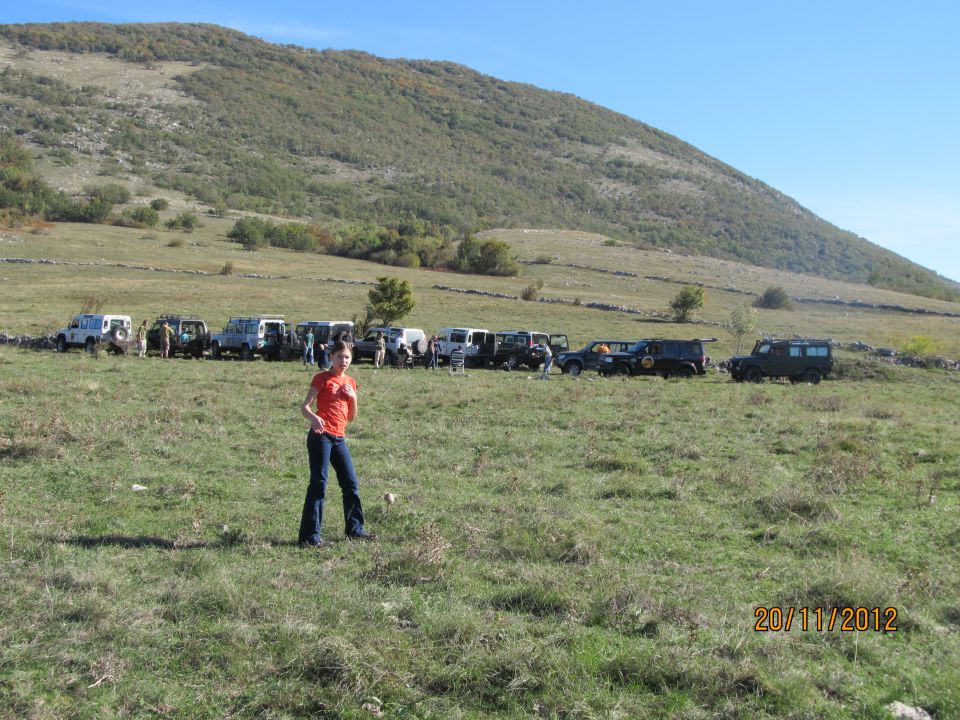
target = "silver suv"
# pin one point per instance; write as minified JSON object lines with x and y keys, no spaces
{"x":261,"y":335}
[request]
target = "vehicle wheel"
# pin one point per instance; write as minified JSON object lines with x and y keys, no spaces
{"x":246,"y":353}
{"x":684,"y":373}
{"x":215,"y":350}
{"x":90,"y":346}
{"x":573,"y":369}
{"x":794,"y":379}
{"x":119,"y":335}
{"x":61,"y":344}
{"x":511,"y":363}
{"x":753,"y":375}
{"x":621,"y":369}
{"x":812,"y":376}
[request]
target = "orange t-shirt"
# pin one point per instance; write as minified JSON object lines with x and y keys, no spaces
{"x":332,"y":407}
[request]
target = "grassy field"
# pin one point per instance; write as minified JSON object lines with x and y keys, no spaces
{"x":575,"y":548}
{"x":41,"y":298}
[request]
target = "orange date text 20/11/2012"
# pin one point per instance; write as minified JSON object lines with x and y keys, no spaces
{"x":818,"y":619}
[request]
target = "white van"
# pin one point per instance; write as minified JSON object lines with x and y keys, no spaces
{"x":452,"y":338}
{"x":90,"y":329}
{"x":323,"y":330}
{"x":413,"y":338}
{"x":258,"y":335}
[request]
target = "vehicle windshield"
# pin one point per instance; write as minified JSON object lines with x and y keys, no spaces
{"x":639,"y":347}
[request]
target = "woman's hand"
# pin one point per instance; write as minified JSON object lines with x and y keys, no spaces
{"x":348,"y":391}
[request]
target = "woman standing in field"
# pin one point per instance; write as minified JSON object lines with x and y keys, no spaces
{"x":330,"y":404}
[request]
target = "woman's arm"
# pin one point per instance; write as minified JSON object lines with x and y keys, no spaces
{"x":352,"y":404}
{"x":316,"y":422}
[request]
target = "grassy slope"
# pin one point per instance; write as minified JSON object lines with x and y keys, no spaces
{"x":576,"y":548}
{"x":341,"y":136}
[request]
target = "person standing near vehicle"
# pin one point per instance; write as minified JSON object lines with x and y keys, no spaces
{"x":308,"y":341}
{"x":433,"y":350}
{"x":166,"y":332}
{"x":330,"y":404}
{"x":547,"y":361}
{"x":142,"y":339}
{"x":381,"y":351}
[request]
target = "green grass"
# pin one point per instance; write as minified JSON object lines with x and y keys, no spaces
{"x":587,"y":547}
{"x":573,"y":548}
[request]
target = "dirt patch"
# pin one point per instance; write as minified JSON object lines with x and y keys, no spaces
{"x":151,"y":84}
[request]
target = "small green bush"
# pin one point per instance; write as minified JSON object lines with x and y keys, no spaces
{"x":113,"y":193}
{"x":144,"y":215}
{"x":773,"y":298}
{"x":159,"y":204}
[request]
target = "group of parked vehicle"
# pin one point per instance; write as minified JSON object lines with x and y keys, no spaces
{"x":273,"y":338}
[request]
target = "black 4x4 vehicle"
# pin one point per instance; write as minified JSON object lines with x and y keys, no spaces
{"x":514,"y":348}
{"x":669,"y":358}
{"x":574,"y":362}
{"x":190,"y":335}
{"x":800,"y":360}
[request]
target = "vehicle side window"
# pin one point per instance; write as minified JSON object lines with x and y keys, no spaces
{"x":817,"y":351}
{"x":254,"y":329}
{"x":796,"y":351}
{"x":778,"y":350}
{"x":458,"y":337}
{"x":74,"y":324}
{"x":83,"y":324}
{"x":654,"y":349}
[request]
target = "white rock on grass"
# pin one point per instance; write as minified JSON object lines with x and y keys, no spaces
{"x":138,"y":488}
{"x":904,"y":712}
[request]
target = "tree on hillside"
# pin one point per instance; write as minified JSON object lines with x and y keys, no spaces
{"x":249,"y":232}
{"x":390,"y":300}
{"x":486,"y":257}
{"x":689,"y":299}
{"x":744,"y":322}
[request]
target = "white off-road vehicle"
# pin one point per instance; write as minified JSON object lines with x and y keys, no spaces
{"x":264,"y":335}
{"x":89,"y":330}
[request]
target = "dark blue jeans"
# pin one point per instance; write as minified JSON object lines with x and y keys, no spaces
{"x":325,"y":450}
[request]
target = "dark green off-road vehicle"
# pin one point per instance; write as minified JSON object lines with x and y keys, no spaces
{"x":806,"y":361}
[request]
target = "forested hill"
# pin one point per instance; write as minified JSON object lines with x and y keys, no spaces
{"x":349,"y":136}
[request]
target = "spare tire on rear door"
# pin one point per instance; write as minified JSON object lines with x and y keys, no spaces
{"x":119,"y":334}
{"x":420,"y":346}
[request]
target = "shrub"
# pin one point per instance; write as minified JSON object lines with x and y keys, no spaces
{"x":773,"y":298}
{"x":176,"y":242}
{"x":113,"y":193}
{"x":486,"y":257}
{"x":227,"y":268}
{"x":185,"y":221}
{"x":689,"y":299}
{"x":532,"y":291}
{"x":65,"y":209}
{"x":159,"y":204}
{"x":144,"y":215}
{"x":920,"y":346}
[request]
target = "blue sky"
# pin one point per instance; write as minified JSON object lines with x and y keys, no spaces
{"x":852,"y":108}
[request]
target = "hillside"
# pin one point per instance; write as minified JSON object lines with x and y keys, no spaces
{"x":339,"y":136}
